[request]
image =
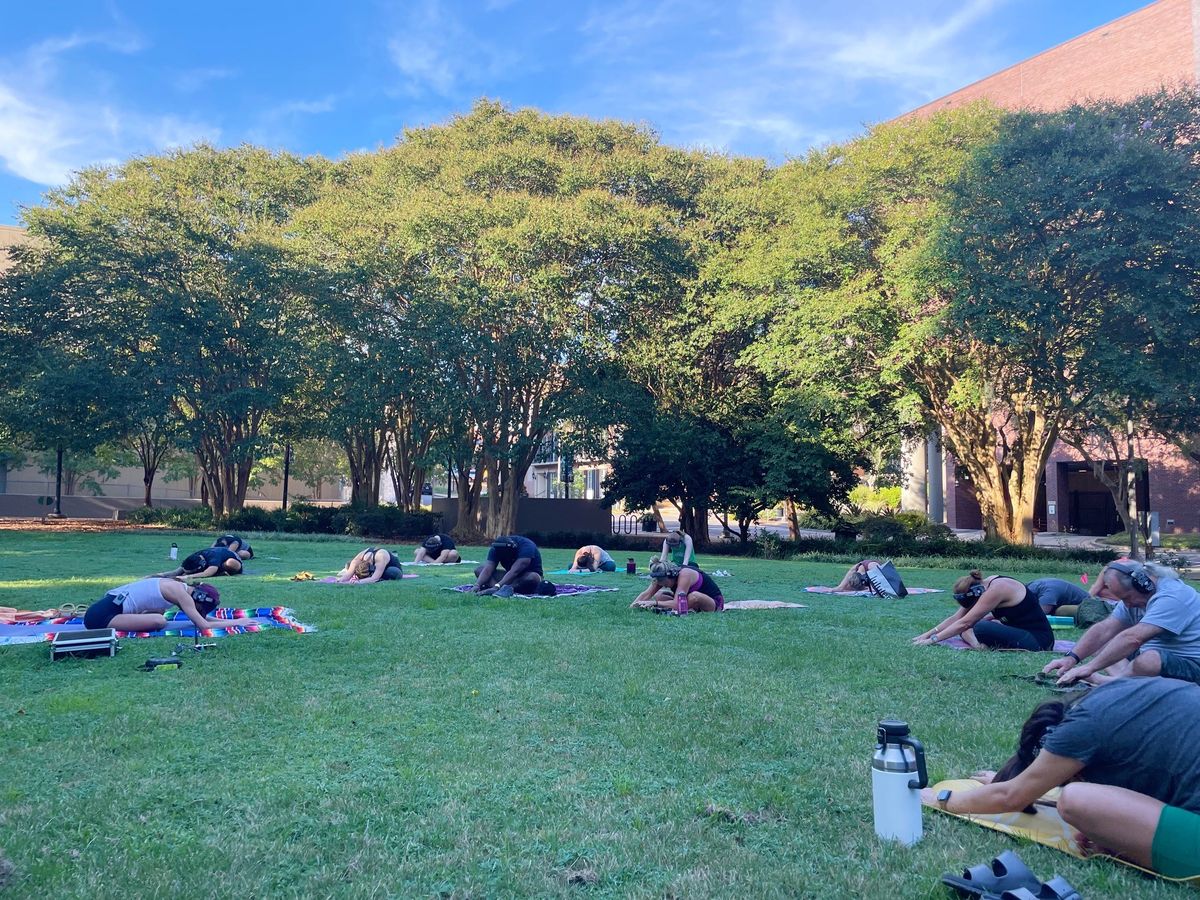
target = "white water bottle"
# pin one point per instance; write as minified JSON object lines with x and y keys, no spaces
{"x":174,"y":554}
{"x":897,"y":776}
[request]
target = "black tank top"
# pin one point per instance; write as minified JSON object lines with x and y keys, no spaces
{"x":706,"y":585}
{"x":1027,"y":614}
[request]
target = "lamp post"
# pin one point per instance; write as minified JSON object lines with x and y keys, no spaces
{"x":58,"y":513}
{"x":287,"y":468}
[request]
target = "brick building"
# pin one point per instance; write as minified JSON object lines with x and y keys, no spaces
{"x":1156,"y":46}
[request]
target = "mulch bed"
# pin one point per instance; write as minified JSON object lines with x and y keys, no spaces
{"x":71,"y":525}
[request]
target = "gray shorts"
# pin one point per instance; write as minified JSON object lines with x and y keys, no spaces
{"x":1184,"y":668}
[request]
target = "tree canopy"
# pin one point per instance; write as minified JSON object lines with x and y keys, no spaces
{"x":736,"y":335}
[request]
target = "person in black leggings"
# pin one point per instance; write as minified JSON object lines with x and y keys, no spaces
{"x":1017,"y":621}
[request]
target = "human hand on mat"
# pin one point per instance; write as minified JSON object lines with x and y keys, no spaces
{"x":984,"y":776}
{"x":1058,"y":665}
{"x":1074,"y":674}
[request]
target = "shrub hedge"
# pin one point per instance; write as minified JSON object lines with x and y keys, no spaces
{"x":883,"y":537}
{"x":386,"y":522}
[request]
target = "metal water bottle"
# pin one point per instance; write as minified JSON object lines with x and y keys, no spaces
{"x":631,"y":566}
{"x":897,"y":776}
{"x":174,"y":554}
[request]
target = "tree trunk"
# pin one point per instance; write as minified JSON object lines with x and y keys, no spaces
{"x":506,"y":514}
{"x":468,"y":528}
{"x":493,"y":498}
{"x":148,"y":482}
{"x":365,"y":450}
{"x":793,"y":520}
{"x":723,"y":518}
{"x":693,"y":519}
{"x":744,"y":531}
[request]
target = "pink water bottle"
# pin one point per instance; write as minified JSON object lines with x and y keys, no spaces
{"x":681,"y":606}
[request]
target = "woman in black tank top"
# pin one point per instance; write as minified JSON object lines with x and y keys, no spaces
{"x":1017,"y":621}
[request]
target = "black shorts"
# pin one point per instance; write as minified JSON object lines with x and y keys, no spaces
{"x":103,"y":611}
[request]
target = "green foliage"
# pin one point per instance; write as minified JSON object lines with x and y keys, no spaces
{"x":192,"y":300}
{"x":199,"y":518}
{"x":878,"y":500}
{"x":390,"y":521}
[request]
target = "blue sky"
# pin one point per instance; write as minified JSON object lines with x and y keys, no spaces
{"x":86,"y":81}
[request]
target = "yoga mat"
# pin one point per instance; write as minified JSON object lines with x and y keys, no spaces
{"x":564,"y":590}
{"x":241,"y":621}
{"x":821,"y":589}
{"x":461,"y":562}
{"x":957,"y":643}
{"x":762,"y":604}
{"x":1057,"y":622}
{"x":332,"y":579}
{"x":569,"y":572}
{"x":1046,"y":827}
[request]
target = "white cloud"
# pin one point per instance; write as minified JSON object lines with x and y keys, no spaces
{"x":45,"y":135}
{"x":34,"y":143}
{"x":435,"y":51}
{"x":192,"y":80}
{"x":778,"y":77}
{"x":306,"y":107}
{"x":921,"y":52}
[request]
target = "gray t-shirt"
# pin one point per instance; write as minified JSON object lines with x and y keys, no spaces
{"x":1175,"y":608}
{"x":1056,"y":592}
{"x":143,"y":596}
{"x":1139,"y":734}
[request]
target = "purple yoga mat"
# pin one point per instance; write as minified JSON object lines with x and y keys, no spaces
{"x":957,"y":643}
{"x":563,"y":590}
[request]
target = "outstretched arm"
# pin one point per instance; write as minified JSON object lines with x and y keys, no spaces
{"x":1092,"y":641}
{"x":1047,"y":771}
{"x":519,"y":568}
{"x":485,"y":575}
{"x":938,"y":632}
{"x":1125,"y":644}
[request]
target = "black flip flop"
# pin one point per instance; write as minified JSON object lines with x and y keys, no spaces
{"x":1004,"y":873}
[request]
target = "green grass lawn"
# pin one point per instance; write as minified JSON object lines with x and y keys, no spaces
{"x":1169,"y":541}
{"x":423,"y":743}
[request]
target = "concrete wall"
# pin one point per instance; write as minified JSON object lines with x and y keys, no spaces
{"x":27,"y":506}
{"x":128,"y":484}
{"x":542,"y":515}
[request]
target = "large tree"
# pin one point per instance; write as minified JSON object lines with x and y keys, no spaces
{"x":184,"y":259}
{"x":987,"y":273}
{"x":61,"y":394}
{"x":1067,"y":258}
{"x":523,"y":248}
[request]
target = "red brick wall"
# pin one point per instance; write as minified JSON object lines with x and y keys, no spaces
{"x":1174,"y":485}
{"x":1135,"y":54}
{"x":1153,"y":47}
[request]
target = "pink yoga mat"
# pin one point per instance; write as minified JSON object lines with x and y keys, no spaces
{"x":957,"y":643}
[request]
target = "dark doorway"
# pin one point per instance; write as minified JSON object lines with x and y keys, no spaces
{"x":1091,"y":508}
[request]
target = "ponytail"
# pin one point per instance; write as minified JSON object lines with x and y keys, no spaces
{"x":964,"y":584}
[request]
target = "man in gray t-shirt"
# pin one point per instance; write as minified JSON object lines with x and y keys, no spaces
{"x":1052,"y":593}
{"x":1136,"y":733}
{"x":1155,"y":629}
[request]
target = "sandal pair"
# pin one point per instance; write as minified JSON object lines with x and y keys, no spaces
{"x":1008,"y":878}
